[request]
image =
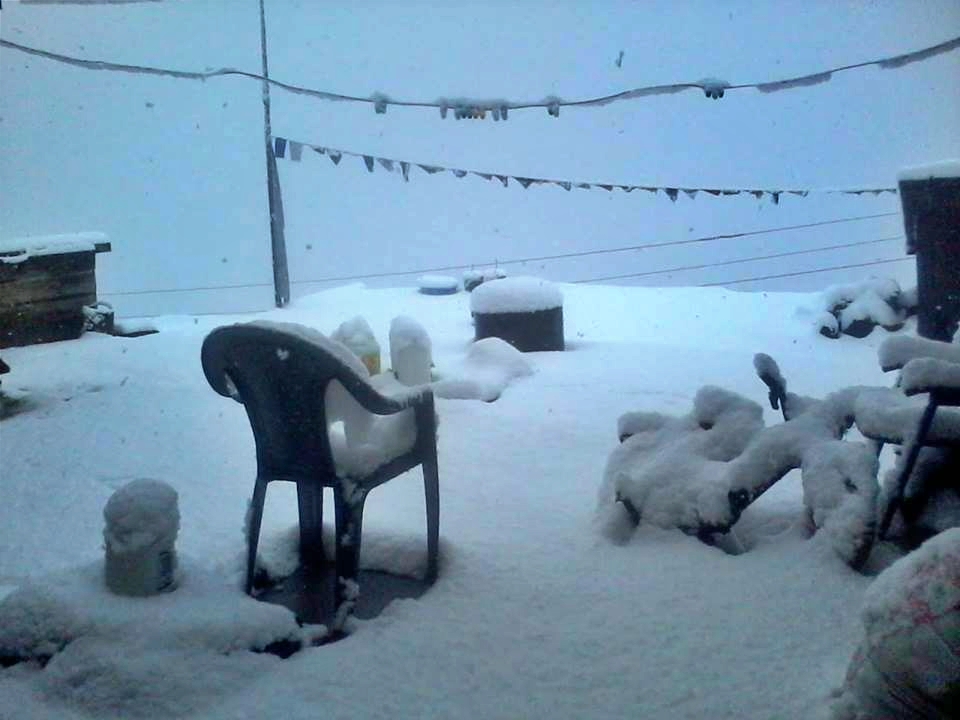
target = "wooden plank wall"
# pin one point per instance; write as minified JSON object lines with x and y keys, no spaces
{"x":42,"y":297}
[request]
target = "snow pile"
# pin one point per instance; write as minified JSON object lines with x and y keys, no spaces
{"x":410,"y":351}
{"x":515,"y":295}
{"x":855,"y":309}
{"x":908,"y":662}
{"x":383,"y":438}
{"x":164,"y":656}
{"x":490,"y":365}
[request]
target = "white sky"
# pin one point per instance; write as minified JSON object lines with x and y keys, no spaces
{"x":172,"y":170}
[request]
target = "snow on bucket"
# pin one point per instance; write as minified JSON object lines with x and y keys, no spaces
{"x":142,"y":520}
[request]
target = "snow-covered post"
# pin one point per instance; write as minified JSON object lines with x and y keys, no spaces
{"x":142,"y":520}
{"x":410,"y":351}
{"x":930,"y":196}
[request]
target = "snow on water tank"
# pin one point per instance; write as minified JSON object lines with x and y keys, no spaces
{"x":142,"y":520}
{"x":527,"y":312}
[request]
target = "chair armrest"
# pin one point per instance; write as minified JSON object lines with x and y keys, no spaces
{"x":930,"y":375}
{"x":376,"y":402}
{"x":897,"y":351}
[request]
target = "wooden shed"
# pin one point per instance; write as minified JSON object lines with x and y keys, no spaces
{"x":45,"y":282}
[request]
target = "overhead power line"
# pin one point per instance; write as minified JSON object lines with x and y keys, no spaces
{"x":739,"y":261}
{"x":805,"y":272}
{"x":605,"y":251}
{"x":499,"y":109}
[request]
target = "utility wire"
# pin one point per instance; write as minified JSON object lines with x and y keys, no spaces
{"x":804,"y":272}
{"x":537,"y":258}
{"x":738,"y":261}
{"x":477,"y":109}
{"x":586,"y":253}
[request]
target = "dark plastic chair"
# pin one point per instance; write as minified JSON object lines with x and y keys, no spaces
{"x":280,"y":373}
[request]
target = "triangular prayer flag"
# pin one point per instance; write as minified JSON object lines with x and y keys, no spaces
{"x":775,"y":196}
{"x":405,"y":169}
{"x":608,"y":188}
{"x":431,"y":169}
{"x":564,"y":184}
{"x":335,"y":156}
{"x":628,"y":188}
{"x":459,"y":173}
{"x":387,"y":164}
{"x":320,"y":150}
{"x":485,"y":176}
{"x":525,"y":182}
{"x":368,"y":161}
{"x":503,"y":179}
{"x":757,"y":193}
{"x":690,"y":193}
{"x":671,"y":193}
{"x":713,"y":191}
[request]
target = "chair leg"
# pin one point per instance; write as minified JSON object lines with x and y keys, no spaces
{"x":253,"y":529}
{"x":310,"y":509}
{"x":431,"y":490}
{"x":913,"y":451}
{"x":349,"y":512}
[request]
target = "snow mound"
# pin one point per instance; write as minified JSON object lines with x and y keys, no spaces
{"x":490,"y":365}
{"x":208,"y":613}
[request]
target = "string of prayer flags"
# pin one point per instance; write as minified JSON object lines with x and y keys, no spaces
{"x":402,"y":167}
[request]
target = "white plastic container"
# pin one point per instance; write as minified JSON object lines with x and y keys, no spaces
{"x":410,"y":351}
{"x":357,"y":335}
{"x":142,"y":521}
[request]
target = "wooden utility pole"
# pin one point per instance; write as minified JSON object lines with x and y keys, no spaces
{"x":281,"y":274}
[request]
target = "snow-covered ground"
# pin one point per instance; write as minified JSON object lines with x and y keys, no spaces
{"x":535,"y":614}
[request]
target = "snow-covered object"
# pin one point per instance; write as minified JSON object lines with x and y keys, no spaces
{"x":410,"y":351}
{"x":515,"y":294}
{"x":357,"y":335}
{"x":840,"y":492}
{"x":939,"y":170}
{"x":142,"y":520}
{"x":887,"y":414}
{"x":490,"y":365}
{"x":922,"y":375}
{"x":713,"y":87}
{"x":437,"y":284}
{"x":858,"y":307}
{"x":115,"y":656}
{"x":672,"y":471}
{"x":17,"y":250}
{"x":897,"y":351}
{"x":383,"y":438}
{"x":473,"y":278}
{"x":908,"y":663}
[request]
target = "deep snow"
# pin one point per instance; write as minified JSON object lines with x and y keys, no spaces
{"x":535,"y":613}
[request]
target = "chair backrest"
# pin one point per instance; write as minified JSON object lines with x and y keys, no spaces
{"x":280,"y":372}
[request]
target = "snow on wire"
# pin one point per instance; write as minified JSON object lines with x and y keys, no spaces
{"x":282,"y":145}
{"x":467,"y":108}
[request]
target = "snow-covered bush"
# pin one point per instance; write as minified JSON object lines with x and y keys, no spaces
{"x":857,"y":308}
